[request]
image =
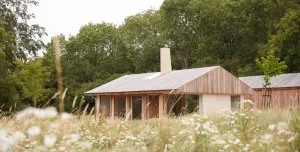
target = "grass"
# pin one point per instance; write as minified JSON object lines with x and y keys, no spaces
{"x":249,"y":130}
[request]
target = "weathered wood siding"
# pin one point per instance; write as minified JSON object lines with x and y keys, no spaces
{"x":280,"y":97}
{"x":217,"y":81}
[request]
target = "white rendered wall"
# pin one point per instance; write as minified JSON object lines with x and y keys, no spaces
{"x":213,"y":103}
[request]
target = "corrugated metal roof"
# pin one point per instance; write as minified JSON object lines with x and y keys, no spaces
{"x":280,"y":81}
{"x":151,"y":81}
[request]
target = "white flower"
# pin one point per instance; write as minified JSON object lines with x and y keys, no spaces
{"x":246,"y":148}
{"x":54,"y":125}
{"x":33,"y":131}
{"x":85,"y":144}
{"x":73,"y":138}
{"x":49,"y":112}
{"x":282,"y":126}
{"x":18,"y":136}
{"x":291,"y":138}
{"x":6,"y":140}
{"x":49,"y":140}
{"x":3,"y":133}
{"x":61,"y":148}
{"x":237,"y":141}
{"x":219,"y":142}
{"x":272,"y":127}
{"x":226,"y":146}
{"x":65,"y":116}
{"x":267,"y":138}
{"x":40,"y":148}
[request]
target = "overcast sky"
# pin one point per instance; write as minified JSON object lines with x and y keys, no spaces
{"x":67,"y":16}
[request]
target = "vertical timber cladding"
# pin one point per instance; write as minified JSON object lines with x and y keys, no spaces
{"x":280,"y":97}
{"x":217,"y":81}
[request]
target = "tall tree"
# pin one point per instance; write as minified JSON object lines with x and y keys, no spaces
{"x":32,"y":78}
{"x":143,"y":35}
{"x":18,"y":40}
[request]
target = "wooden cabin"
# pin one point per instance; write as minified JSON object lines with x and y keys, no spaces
{"x":284,"y":91}
{"x":158,"y":94}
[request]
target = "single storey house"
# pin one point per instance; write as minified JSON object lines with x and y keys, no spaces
{"x":158,"y":94}
{"x":283,"y":92}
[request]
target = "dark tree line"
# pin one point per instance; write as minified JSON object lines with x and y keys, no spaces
{"x":200,"y":33}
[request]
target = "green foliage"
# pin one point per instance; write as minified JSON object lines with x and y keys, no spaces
{"x":32,"y":79}
{"x":200,"y":33}
{"x":271,"y":66}
{"x":18,"y":40}
{"x":143,"y":34}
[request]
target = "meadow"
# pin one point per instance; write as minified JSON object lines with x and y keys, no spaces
{"x":247,"y":130}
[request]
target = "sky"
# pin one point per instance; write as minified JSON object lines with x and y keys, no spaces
{"x":67,"y":16}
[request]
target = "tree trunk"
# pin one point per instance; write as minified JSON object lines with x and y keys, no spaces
{"x":34,"y":102}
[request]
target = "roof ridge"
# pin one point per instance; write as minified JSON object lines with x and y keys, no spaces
{"x":274,"y":76}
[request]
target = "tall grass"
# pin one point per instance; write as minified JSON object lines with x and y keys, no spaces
{"x":248,"y":130}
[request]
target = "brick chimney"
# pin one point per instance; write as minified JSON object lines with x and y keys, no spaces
{"x":165,"y":61}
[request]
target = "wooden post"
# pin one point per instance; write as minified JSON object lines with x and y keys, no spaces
{"x":59,"y":73}
{"x":242,"y":104}
{"x":97,"y":105}
{"x":112,"y":106}
{"x":161,"y":105}
{"x":144,"y":99}
{"x":186,"y":104}
{"x":128,"y":108}
{"x":165,"y":106}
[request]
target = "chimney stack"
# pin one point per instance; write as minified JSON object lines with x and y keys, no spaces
{"x":165,"y":61}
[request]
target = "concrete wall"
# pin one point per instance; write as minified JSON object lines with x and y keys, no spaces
{"x":215,"y":103}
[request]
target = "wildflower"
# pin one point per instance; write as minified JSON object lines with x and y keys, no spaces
{"x":54,"y":125}
{"x":65,"y":116}
{"x":49,"y":112}
{"x":281,"y":126}
{"x":61,"y":148}
{"x":291,"y":138}
{"x":73,"y":138}
{"x":33,"y":143}
{"x":272,"y":127}
{"x":85,"y":144}
{"x":267,"y":138}
{"x":219,"y":142}
{"x":40,"y":148}
{"x":33,"y":131}
{"x":226,"y":146}
{"x":18,"y":136}
{"x":49,"y":140}
{"x":3,"y":133}
{"x":237,"y":141}
{"x":246,"y":148}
